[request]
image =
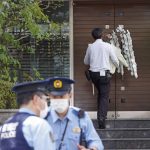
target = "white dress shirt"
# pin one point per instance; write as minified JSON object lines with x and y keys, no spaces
{"x":98,"y":56}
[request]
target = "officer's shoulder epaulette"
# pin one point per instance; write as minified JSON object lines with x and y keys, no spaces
{"x":78,"y":112}
{"x":74,"y":108}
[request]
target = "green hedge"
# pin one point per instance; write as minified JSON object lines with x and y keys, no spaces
{"x":7,"y":98}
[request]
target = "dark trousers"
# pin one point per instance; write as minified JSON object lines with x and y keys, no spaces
{"x":102,"y":83}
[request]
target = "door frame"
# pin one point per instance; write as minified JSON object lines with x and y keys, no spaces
{"x":93,"y":114}
{"x":71,"y":41}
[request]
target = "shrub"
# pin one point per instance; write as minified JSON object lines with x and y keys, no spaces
{"x":7,"y":98}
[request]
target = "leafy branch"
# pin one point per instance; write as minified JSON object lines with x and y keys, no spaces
{"x":20,"y":21}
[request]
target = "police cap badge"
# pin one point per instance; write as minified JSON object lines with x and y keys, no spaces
{"x":59,"y":85}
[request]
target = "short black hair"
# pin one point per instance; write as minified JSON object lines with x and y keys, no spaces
{"x":25,"y":98}
{"x":96,"y":33}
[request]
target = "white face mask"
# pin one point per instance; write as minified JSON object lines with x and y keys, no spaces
{"x":44,"y":112}
{"x":59,"y":105}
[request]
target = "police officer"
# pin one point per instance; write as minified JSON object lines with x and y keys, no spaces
{"x":98,"y":56}
{"x":26,"y":130}
{"x":70,"y":124}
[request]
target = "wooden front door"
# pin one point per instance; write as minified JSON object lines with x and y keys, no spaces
{"x":127,"y":93}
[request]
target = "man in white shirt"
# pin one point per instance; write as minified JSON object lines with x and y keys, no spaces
{"x":98,"y":56}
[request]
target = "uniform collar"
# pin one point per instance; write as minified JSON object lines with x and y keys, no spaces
{"x":55,"y":116}
{"x":26,"y":110}
{"x":100,"y":40}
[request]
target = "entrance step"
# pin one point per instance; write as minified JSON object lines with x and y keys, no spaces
{"x":125,"y":134}
{"x":127,"y":143}
{"x":123,"y":123}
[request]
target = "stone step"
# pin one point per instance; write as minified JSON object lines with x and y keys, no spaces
{"x":127,"y":143}
{"x":122,"y":123}
{"x":124,"y":133}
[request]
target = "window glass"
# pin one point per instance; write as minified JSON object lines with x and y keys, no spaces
{"x":51,"y":57}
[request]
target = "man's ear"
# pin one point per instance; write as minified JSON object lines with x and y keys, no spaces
{"x":35,"y":99}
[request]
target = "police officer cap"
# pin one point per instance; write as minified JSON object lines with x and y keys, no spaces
{"x":30,"y":87}
{"x":59,"y":85}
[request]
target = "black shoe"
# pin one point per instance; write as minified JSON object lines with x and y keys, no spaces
{"x":101,"y":124}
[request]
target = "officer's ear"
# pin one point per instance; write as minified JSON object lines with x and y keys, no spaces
{"x":35,"y":99}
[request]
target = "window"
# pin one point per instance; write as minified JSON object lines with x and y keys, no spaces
{"x":51,"y":57}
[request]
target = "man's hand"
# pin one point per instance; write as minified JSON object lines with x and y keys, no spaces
{"x":80,"y":147}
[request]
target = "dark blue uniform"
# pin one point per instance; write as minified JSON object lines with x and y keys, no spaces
{"x":12,"y":137}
